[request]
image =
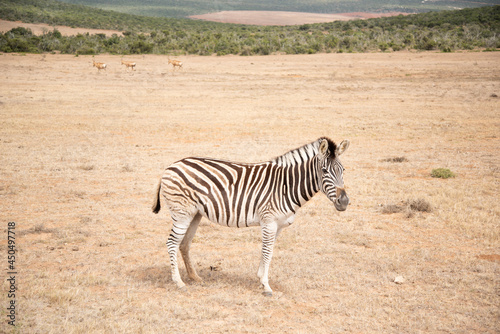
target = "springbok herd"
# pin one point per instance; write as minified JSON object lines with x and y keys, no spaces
{"x":130,"y":64}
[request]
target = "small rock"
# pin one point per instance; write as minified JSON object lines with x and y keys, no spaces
{"x":75,"y":248}
{"x":399,"y":280}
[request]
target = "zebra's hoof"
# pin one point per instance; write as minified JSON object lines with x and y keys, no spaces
{"x":196,"y":279}
{"x":267,"y":293}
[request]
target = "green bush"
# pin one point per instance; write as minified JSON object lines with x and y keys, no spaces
{"x":442,"y":173}
{"x":446,"y":31}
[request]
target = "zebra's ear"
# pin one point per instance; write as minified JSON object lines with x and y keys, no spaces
{"x":323,"y":148}
{"x":342,"y":147}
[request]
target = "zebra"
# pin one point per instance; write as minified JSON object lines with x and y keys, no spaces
{"x":242,"y":195}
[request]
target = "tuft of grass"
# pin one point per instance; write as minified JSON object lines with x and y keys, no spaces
{"x":395,"y":159}
{"x":442,"y":173}
{"x":79,"y":194}
{"x":37,"y":229}
{"x":127,"y":169}
{"x":86,"y":167}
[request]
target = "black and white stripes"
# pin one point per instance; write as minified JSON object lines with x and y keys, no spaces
{"x":241,"y":195}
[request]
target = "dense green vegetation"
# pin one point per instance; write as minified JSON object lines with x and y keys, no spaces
{"x":58,"y":13}
{"x":446,"y":31}
{"x":176,"y":8}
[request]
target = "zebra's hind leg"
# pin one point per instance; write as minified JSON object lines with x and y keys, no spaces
{"x":180,"y":227}
{"x":186,"y":244}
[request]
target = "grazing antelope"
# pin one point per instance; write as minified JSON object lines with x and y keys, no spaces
{"x":175,"y":63}
{"x":241,"y":195}
{"x":100,"y":66}
{"x":129,"y":64}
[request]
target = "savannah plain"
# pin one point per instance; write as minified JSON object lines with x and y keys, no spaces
{"x":82,"y":152}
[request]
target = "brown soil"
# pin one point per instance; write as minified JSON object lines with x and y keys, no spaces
{"x":284,"y":18}
{"x":82,"y":152}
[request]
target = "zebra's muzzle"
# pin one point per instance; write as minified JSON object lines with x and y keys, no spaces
{"x":342,"y":200}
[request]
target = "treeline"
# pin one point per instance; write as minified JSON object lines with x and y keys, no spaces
{"x":446,"y":31}
{"x":55,"y":12}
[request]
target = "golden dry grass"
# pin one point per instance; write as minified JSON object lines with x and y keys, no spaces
{"x":82,"y":151}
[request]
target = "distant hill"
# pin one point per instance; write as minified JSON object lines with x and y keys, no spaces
{"x":447,"y":31}
{"x":185,"y":8}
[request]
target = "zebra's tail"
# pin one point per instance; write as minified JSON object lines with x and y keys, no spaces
{"x":157,"y":205}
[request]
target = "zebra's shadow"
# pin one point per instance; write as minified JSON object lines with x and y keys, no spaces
{"x":155,"y":275}
{"x":160,"y":276}
{"x":232,"y":280}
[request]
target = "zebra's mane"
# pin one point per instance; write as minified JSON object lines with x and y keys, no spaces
{"x":304,"y":153}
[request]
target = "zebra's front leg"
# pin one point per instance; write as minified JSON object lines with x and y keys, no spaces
{"x":269,"y":234}
{"x":260,"y":273}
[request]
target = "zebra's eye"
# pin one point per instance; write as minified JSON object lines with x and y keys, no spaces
{"x":324,"y":170}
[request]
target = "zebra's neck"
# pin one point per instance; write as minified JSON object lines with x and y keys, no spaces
{"x":299,"y":155}
{"x":299,"y":181}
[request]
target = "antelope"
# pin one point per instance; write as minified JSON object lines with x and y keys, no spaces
{"x":175,"y":63}
{"x":129,"y":64}
{"x":100,"y":66}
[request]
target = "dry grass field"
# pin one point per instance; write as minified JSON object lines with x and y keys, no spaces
{"x":82,"y":152}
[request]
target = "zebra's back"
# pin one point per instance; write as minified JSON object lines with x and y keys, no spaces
{"x":231,"y":194}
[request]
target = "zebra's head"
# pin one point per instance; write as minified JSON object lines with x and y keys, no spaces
{"x":331,"y":180}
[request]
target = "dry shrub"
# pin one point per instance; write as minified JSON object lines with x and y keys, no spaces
{"x":395,"y":159}
{"x":410,"y":207}
{"x":391,"y":208}
{"x":420,"y":205}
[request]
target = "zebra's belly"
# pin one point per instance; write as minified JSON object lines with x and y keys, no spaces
{"x":231,"y":219}
{"x":240,"y":223}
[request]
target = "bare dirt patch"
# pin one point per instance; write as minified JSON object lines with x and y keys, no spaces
{"x":41,"y":28}
{"x":265,"y":18}
{"x":82,"y":152}
{"x":490,"y":257}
